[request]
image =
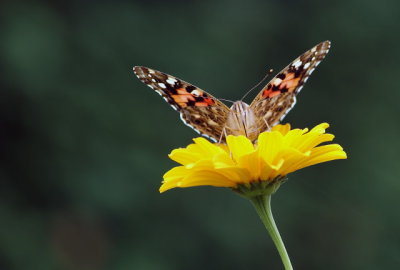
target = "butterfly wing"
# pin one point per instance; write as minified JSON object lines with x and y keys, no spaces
{"x":278,"y":97}
{"x":198,"y":109}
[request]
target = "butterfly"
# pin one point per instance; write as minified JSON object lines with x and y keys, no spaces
{"x":213,"y":119}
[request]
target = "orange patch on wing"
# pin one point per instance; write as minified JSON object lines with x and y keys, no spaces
{"x":290,"y":84}
{"x":209,"y":101}
{"x":274,"y":93}
{"x":289,"y":76}
{"x":201,"y":104}
{"x":183,"y":98}
{"x":268,"y":93}
{"x":182,"y":91}
{"x":206,"y":102}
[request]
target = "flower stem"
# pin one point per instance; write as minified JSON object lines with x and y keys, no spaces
{"x":262,"y":203}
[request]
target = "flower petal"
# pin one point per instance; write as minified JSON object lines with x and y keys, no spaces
{"x":239,"y":146}
{"x":199,"y":150}
{"x":310,"y":140}
{"x":269,"y":144}
{"x":283,"y":129}
{"x":173,"y":176}
{"x":252,"y":163}
{"x":320,"y":128}
{"x":206,"y":178}
{"x":323,"y":154}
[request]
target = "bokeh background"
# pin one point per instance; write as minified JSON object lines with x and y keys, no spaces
{"x":84,"y":143}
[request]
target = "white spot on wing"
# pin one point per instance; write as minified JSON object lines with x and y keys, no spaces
{"x":277,"y":81}
{"x":297,"y":64}
{"x":196,"y":92}
{"x":171,"y":80}
{"x":162,"y":85}
{"x":306,"y":65}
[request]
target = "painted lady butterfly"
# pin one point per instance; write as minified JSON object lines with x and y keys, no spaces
{"x":213,"y":119}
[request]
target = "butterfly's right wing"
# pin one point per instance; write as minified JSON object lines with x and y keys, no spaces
{"x":199,"y":110}
{"x":278,"y":97}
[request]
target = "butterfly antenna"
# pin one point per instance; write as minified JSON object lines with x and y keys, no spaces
{"x":258,"y":84}
{"x":227,"y":100}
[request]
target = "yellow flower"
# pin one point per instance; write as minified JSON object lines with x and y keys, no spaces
{"x":277,"y":153}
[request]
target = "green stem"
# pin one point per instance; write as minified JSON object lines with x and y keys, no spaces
{"x":262,"y":203}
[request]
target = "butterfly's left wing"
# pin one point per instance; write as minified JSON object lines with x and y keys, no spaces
{"x":278,"y":97}
{"x":198,"y":109}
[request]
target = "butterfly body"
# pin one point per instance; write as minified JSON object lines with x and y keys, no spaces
{"x":242,"y":121}
{"x":211,"y":118}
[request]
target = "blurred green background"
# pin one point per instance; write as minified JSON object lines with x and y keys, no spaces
{"x":84,"y":143}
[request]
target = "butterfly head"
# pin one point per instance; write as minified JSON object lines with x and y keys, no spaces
{"x":239,"y":107}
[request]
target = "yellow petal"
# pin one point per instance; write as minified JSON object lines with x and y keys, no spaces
{"x":320,"y":128}
{"x":237,"y":175}
{"x":201,"y":149}
{"x":183,"y":156}
{"x":206,"y":148}
{"x":293,"y":137}
{"x":268,"y":172}
{"x":252,"y":163}
{"x":269,"y":144}
{"x":311,"y":140}
{"x":172,"y":177}
{"x":239,"y":146}
{"x":291,"y":157}
{"x":283,"y":129}
{"x":223,"y":160}
{"x":323,"y":154}
{"x":166,"y":186}
{"x":206,"y":178}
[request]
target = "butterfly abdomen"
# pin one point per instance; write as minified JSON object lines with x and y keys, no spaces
{"x":242,"y":121}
